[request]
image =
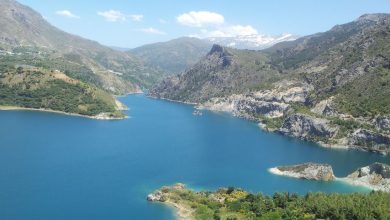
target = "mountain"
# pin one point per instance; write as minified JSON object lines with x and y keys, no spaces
{"x":174,"y":56}
{"x":330,"y":87}
{"x":221,"y":72}
{"x":46,"y":68}
{"x":253,"y":42}
{"x":24,"y":31}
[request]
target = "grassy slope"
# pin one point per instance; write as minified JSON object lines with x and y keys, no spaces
{"x":39,"y":88}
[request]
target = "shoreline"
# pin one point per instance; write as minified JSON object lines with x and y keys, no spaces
{"x":171,"y":100}
{"x":100,"y":116}
{"x":350,"y":182}
{"x":181,"y":212}
{"x":345,"y":180}
{"x":263,"y":127}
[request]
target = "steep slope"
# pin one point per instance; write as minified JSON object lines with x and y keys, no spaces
{"x":223,"y":71}
{"x":174,"y":56}
{"x":24,"y":31}
{"x":331,"y":87}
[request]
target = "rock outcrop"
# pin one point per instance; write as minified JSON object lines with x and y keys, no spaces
{"x":161,"y":194}
{"x":383,"y":122}
{"x":310,"y":171}
{"x":370,"y":140}
{"x":375,"y":176}
{"x":325,"y":107}
{"x":269,"y":103}
{"x":307,"y":127}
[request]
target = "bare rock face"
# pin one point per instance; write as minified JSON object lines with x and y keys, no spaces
{"x":325,"y":107}
{"x":304,"y":127}
{"x":271,"y":103}
{"x":383,"y":122}
{"x":372,"y":141}
{"x":157,"y":196}
{"x":310,"y":171}
{"x":375,"y":176}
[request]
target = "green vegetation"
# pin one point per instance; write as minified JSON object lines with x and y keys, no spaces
{"x":55,"y":91}
{"x":233,"y":203}
{"x":52,"y":49}
{"x":367,"y":95}
{"x":272,"y":123}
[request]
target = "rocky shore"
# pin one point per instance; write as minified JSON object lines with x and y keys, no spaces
{"x":309,"y":171}
{"x":375,"y":176}
{"x":284,"y":110}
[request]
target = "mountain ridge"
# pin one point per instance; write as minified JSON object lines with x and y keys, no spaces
{"x":174,"y":56}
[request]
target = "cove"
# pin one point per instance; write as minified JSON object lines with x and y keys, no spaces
{"x":54,"y":166}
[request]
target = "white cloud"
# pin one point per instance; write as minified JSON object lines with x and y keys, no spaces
{"x":112,"y":15}
{"x":153,"y":31}
{"x":200,"y":18}
{"x":136,"y":17}
{"x":66,"y":13}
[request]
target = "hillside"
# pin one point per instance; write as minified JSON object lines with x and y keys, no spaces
{"x":31,"y":50}
{"x":26,"y":32}
{"x":330,"y":87}
{"x":174,"y":56}
{"x":37,"y":88}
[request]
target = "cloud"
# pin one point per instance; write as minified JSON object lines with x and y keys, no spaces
{"x":66,"y":13}
{"x":153,"y":31}
{"x":136,"y":17}
{"x":200,"y":19}
{"x":112,"y":15}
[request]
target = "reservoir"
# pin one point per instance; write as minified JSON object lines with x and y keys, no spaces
{"x":54,"y":166}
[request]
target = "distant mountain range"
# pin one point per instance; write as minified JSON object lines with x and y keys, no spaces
{"x":174,"y":56}
{"x":177,"y":55}
{"x":330,"y":87}
{"x":253,"y":42}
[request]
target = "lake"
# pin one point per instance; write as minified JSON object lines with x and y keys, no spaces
{"x":54,"y":166}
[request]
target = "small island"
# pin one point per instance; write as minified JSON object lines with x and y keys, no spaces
{"x":309,"y":171}
{"x":235,"y":203}
{"x":375,"y":176}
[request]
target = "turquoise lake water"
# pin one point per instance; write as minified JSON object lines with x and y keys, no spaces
{"x":54,"y":166}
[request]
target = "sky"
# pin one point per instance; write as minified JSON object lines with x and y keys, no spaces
{"x":131,"y":23}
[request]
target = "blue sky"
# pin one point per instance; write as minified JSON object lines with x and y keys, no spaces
{"x":130,"y":23}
